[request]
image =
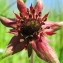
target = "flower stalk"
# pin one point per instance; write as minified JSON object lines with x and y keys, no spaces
{"x":32,"y":57}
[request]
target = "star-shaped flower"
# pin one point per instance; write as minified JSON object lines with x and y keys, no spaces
{"x":30,"y":29}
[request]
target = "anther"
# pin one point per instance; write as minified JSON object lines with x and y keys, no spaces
{"x":47,"y":27}
{"x":39,"y":14}
{"x":30,"y":16}
{"x":33,"y":11}
{"x":27,"y":11}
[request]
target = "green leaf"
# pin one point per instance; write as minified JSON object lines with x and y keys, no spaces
{"x":24,"y":0}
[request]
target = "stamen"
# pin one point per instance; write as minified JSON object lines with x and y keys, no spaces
{"x":22,"y":21}
{"x":42,"y":23}
{"x":36,"y":16}
{"x":31,"y":8}
{"x":39,"y":14}
{"x":30,"y":16}
{"x":47,"y":27}
{"x":21,"y":14}
{"x":27,"y":11}
{"x":33,"y":11}
{"x":45,"y":17}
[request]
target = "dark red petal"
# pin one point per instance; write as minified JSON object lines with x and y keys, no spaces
{"x":22,"y":8}
{"x":17,"y":16}
{"x":45,"y":51}
{"x":14,"y":31}
{"x":16,"y":45}
{"x":39,"y":6}
{"x":31,"y":8}
{"x":45,"y":17}
{"x":50,"y":33}
{"x":39,"y":53}
{"x":8,"y":22}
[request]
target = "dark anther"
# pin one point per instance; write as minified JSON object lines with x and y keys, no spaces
{"x":21,"y":15}
{"x":22,"y":21}
{"x":39,"y":14}
{"x":42,"y":23}
{"x":47,"y":27}
{"x":36,"y":16}
{"x":45,"y":19}
{"x":33,"y":11}
{"x":27,"y":11}
{"x":30,"y":16}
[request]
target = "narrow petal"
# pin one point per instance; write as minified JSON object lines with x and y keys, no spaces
{"x":22,"y":8}
{"x":8,"y":22}
{"x":16,"y":45}
{"x":45,"y":17}
{"x":45,"y":51}
{"x":13,"y":31}
{"x":17,"y":16}
{"x":31,"y":8}
{"x":39,"y":54}
{"x":49,"y":32}
{"x":39,"y":6}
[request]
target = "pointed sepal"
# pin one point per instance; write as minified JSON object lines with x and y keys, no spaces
{"x":8,"y":22}
{"x":45,"y":51}
{"x":44,"y":18}
{"x":39,"y":6}
{"x":22,"y":8}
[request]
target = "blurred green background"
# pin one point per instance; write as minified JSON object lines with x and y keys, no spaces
{"x":56,"y":14}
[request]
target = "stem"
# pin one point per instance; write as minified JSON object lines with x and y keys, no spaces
{"x":32,"y":58}
{"x":4,"y":56}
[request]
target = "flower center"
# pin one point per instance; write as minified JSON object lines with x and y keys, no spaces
{"x":30,"y":28}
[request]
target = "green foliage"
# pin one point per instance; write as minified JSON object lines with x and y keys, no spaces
{"x":24,"y":0}
{"x":58,"y":37}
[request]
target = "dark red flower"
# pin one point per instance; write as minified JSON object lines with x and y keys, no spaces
{"x":30,"y":29}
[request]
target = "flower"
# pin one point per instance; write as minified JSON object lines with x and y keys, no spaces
{"x":30,"y":30}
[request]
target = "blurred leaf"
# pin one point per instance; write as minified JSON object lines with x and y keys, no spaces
{"x":24,"y":0}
